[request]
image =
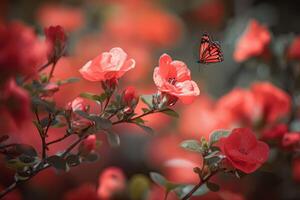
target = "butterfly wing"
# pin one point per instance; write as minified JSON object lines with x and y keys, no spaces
{"x":210,"y":52}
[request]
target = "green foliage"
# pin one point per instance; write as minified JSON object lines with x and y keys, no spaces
{"x":192,"y":145}
{"x":170,"y":112}
{"x":113,"y":138}
{"x":57,"y":162}
{"x":217,"y":135}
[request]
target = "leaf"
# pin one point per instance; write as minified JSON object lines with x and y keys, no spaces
{"x":213,"y":160}
{"x":139,"y":184}
{"x":73,"y":160}
{"x":26,"y":150}
{"x":145,"y":110}
{"x":146,"y":129}
{"x":216,"y":135}
{"x":57,"y":162}
{"x":185,"y":189}
{"x":212,"y":186}
{"x":93,"y":97}
{"x":69,"y":80}
{"x":147,"y":99}
{"x":158,"y":179}
{"x":113,"y":138}
{"x":91,"y":157}
{"x":82,"y":114}
{"x":48,"y":106}
{"x":192,"y":145}
{"x":170,"y":112}
{"x":139,"y":121}
{"x":101,"y":123}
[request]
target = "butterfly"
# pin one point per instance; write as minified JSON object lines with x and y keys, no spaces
{"x":209,"y":51}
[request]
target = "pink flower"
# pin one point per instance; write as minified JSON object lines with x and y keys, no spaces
{"x":291,"y":140}
{"x":273,"y":102}
{"x":83,"y":192}
{"x":174,"y":78}
{"x":275,"y":132}
{"x":111,"y":181}
{"x":20,"y":50}
{"x":243,"y":151}
{"x":254,"y":42}
{"x":56,"y":38}
{"x":76,"y":104}
{"x":15,"y":100}
{"x":109,"y":65}
{"x":88,"y":145}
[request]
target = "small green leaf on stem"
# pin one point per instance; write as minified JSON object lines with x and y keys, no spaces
{"x":147,"y":99}
{"x":146,"y":128}
{"x":170,"y":112}
{"x":216,"y":135}
{"x":158,"y":179}
{"x":113,"y":138}
{"x":192,"y":145}
{"x":57,"y":162}
{"x":213,"y":186}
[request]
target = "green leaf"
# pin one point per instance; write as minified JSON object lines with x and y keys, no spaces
{"x":146,"y":129}
{"x":139,"y":121}
{"x":48,"y":106}
{"x":147,"y":99}
{"x":94,"y":97}
{"x":73,"y":160}
{"x":216,"y":135}
{"x":192,"y":145}
{"x":213,"y":160}
{"x":82,"y":114}
{"x":185,"y":189}
{"x":139,"y":185}
{"x":158,"y":179}
{"x":101,"y":123}
{"x":26,"y":150}
{"x":91,"y":157}
{"x":145,"y":110}
{"x":69,"y":80}
{"x":57,"y":162}
{"x":170,"y":112}
{"x":213,"y":187}
{"x":113,"y":138}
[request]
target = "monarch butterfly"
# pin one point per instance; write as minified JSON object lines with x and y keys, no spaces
{"x":209,"y":51}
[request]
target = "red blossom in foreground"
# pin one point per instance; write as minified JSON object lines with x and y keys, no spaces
{"x":293,"y":51}
{"x":174,"y":78}
{"x":254,"y":42}
{"x":273,"y":102}
{"x":56,"y":39}
{"x":111,"y":181}
{"x":275,"y":132}
{"x":15,"y":101}
{"x":84,"y":192}
{"x":108,"y":65}
{"x":243,"y":151}
{"x":20,"y":50}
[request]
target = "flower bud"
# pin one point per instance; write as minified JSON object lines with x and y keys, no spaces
{"x":56,"y":39}
{"x":88,"y":145}
{"x":291,"y":140}
{"x":130,"y":97}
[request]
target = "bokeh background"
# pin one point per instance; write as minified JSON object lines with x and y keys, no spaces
{"x":146,"y":29}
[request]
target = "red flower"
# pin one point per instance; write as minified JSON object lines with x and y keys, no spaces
{"x":56,"y":38}
{"x":243,"y":151}
{"x":291,"y":140}
{"x":273,"y":102}
{"x":16,"y":102}
{"x":107,"y":66}
{"x":253,"y":42}
{"x":296,"y":169}
{"x":174,"y":78}
{"x":88,"y":145}
{"x":275,"y":132}
{"x":294,"y":49}
{"x":84,"y":192}
{"x":20,"y":51}
{"x":130,"y":97}
{"x":111,"y":181}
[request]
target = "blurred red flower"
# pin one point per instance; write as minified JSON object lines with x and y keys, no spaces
{"x":157,"y":193}
{"x":15,"y":101}
{"x":20,"y":51}
{"x":293,"y":51}
{"x":291,"y":141}
{"x":273,"y":102}
{"x":296,"y":169}
{"x":56,"y":39}
{"x":111,"y":181}
{"x":107,"y":66}
{"x":275,"y":132}
{"x":88,"y":145}
{"x":253,"y":42}
{"x":84,"y":192}
{"x":174,"y":78}
{"x":14,"y":195}
{"x":243,"y":151}
{"x":68,"y":17}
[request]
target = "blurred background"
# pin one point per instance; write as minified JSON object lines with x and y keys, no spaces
{"x":145,"y":29}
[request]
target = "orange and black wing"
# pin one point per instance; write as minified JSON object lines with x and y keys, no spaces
{"x":209,"y":51}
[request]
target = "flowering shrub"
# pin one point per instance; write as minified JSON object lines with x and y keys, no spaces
{"x":76,"y":98}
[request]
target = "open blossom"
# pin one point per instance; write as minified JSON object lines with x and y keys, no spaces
{"x":174,"y":78}
{"x":254,"y":42}
{"x":111,"y":181}
{"x":243,"y":151}
{"x":293,"y":51}
{"x":15,"y":101}
{"x":107,"y":66}
{"x":273,"y":102}
{"x":56,"y":39}
{"x":20,"y":50}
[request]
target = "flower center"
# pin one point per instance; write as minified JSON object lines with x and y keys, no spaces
{"x":172,"y":81}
